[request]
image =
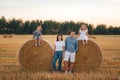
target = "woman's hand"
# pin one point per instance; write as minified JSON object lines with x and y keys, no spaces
{"x":53,"y":53}
{"x":41,"y":38}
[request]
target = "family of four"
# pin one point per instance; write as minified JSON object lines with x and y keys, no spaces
{"x":64,"y":49}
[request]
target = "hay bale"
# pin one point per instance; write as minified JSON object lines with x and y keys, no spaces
{"x":36,"y":58}
{"x":5,"y":36}
{"x":93,"y":37}
{"x":88,"y":57}
{"x":10,"y":36}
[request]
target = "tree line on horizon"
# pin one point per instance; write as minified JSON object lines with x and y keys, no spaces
{"x":18,"y":26}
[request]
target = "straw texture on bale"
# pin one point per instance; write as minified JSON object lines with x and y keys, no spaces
{"x":88,"y":57}
{"x":36,"y":58}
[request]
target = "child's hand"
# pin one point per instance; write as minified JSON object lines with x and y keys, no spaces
{"x":32,"y":37}
{"x":41,"y":38}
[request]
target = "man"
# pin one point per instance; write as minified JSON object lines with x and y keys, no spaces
{"x":71,"y":46}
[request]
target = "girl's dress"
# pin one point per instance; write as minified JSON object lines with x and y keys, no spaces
{"x":83,"y":35}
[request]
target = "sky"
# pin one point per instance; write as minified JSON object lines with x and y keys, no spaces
{"x":90,"y":11}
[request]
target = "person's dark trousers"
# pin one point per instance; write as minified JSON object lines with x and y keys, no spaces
{"x":57,"y":56}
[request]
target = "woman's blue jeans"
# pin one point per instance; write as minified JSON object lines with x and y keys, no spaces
{"x":57,"y":56}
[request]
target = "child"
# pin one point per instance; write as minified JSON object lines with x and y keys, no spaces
{"x":83,"y":34}
{"x":37,"y":35}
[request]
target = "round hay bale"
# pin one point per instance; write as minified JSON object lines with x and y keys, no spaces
{"x":93,"y":37}
{"x":10,"y":36}
{"x":88,"y":57}
{"x":5,"y":36}
{"x":36,"y":58}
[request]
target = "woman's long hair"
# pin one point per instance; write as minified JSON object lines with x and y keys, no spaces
{"x":58,"y":36}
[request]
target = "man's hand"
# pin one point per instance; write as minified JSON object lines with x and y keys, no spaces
{"x":63,"y":54}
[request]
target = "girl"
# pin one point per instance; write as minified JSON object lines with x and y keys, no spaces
{"x":83,"y":34}
{"x":58,"y":52}
{"x":37,"y":35}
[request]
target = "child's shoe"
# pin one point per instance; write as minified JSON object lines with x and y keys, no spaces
{"x":70,"y":72}
{"x":35,"y":44}
{"x":83,"y":44}
{"x":39,"y":45}
{"x":66,"y":72}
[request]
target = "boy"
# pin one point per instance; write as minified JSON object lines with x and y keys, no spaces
{"x":37,"y":35}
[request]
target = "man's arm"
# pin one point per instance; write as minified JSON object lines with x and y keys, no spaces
{"x":76,"y":45}
{"x":65,"y":44}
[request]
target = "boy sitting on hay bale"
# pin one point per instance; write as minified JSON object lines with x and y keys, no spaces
{"x":37,"y":35}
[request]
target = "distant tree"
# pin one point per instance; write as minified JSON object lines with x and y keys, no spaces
{"x":117,"y":30}
{"x":17,"y":26}
{"x":26,"y":27}
{"x":51,"y":27}
{"x":90,"y":29}
{"x":33,"y":26}
{"x":3,"y":23}
{"x":110,"y":30}
{"x":65,"y":27}
{"x":100,"y":29}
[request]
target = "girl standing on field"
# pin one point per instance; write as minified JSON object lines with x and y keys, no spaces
{"x":83,"y":34}
{"x":37,"y":35}
{"x":58,"y":52}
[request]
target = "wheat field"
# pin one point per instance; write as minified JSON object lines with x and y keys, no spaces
{"x":10,"y":69}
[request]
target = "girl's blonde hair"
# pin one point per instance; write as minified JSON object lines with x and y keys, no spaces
{"x":83,"y":26}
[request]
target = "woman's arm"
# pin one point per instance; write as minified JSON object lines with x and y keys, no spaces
{"x":54,"y":50}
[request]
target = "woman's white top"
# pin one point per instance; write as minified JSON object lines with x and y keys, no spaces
{"x":59,"y":45}
{"x":83,"y":35}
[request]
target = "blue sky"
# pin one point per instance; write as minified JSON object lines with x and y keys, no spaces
{"x":90,"y":11}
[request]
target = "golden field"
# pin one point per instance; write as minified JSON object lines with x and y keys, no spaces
{"x":10,"y":68}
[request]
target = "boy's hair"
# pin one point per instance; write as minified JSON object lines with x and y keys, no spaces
{"x":72,"y":31}
{"x":39,"y":26}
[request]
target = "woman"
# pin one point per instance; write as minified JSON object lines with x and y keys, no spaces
{"x":58,"y":52}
